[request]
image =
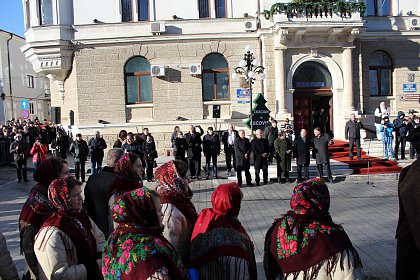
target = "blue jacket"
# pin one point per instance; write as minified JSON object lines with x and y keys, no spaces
{"x":387,"y":132}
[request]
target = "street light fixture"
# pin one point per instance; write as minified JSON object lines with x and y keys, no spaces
{"x":250,"y":70}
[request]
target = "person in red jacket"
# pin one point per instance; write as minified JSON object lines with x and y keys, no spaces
{"x":38,"y":152}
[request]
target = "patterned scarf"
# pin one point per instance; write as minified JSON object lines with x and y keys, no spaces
{"x":76,"y":225}
{"x":218,"y":232}
{"x":172,"y":190}
{"x":136,"y":249}
{"x":127,"y":178}
{"x":306,"y":236}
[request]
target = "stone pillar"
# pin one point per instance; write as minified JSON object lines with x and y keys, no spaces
{"x":347,"y":101}
{"x":280,"y":81}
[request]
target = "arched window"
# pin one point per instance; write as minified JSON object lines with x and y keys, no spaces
{"x":312,"y":75}
{"x":215,"y":77}
{"x":138,"y":82}
{"x":380,"y":74}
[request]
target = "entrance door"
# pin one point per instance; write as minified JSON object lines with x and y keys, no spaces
{"x":302,"y":101}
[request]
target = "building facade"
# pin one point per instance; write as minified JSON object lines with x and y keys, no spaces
{"x":19,"y":81}
{"x":157,"y":64}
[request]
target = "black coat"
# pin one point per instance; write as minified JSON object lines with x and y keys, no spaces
{"x":97,"y":147}
{"x":271,"y":134}
{"x":321,"y":148}
{"x":150,"y":152}
{"x":352,"y":130}
{"x":133,"y":148}
{"x":211,"y":144}
{"x":259,"y":147}
{"x":242,"y":147}
{"x":194,"y":145}
{"x":181,"y":146}
{"x":95,"y":203}
{"x":21,"y":153}
{"x":302,"y":150}
{"x":80,"y":150}
{"x":225,"y":138}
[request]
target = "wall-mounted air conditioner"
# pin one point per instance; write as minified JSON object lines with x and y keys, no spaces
{"x":195,"y":69}
{"x":157,"y":27}
{"x":157,"y":70}
{"x":250,"y":25}
{"x":413,"y":24}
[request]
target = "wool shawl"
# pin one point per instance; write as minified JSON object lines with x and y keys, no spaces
{"x":218,"y":232}
{"x":137,"y":249}
{"x":172,"y":190}
{"x":305,"y":238}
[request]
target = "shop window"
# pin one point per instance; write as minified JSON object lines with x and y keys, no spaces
{"x":203,"y":8}
{"x":378,"y":8}
{"x":220,"y":6}
{"x":138,"y":82}
{"x":45,"y":12}
{"x":380,"y":74}
{"x":127,"y":10}
{"x":215,"y":77}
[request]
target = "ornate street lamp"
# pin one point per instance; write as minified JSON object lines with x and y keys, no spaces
{"x":250,"y":70}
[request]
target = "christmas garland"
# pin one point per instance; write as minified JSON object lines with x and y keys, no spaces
{"x":320,"y":8}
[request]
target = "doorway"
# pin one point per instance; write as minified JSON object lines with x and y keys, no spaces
{"x":310,"y":102}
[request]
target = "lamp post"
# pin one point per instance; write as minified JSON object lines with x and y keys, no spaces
{"x":250,"y":70}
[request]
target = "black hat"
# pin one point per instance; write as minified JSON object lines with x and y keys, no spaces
{"x":210,"y":128}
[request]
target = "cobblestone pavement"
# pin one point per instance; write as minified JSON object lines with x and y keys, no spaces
{"x":368,"y":213}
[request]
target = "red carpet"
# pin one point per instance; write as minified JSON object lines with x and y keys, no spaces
{"x":340,"y":152}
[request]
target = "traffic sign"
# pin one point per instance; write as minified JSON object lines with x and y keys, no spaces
{"x":24,"y":104}
{"x":25,"y":114}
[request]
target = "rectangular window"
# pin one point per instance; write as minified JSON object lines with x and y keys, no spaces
{"x":45,"y":12}
{"x":28,"y":14}
{"x":143,"y":10}
{"x":127,"y":10}
{"x":203,"y":8}
{"x":139,"y":88}
{"x":220,"y":6}
{"x":31,"y":108}
{"x":378,"y":8}
{"x":215,"y":85}
{"x":380,"y":82}
{"x":30,"y":81}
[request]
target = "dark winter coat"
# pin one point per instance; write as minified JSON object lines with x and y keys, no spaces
{"x":242,"y":148}
{"x":259,"y":147}
{"x":194,"y":144}
{"x":150,"y":152}
{"x":181,"y":146}
{"x":352,"y":130}
{"x":400,"y":127}
{"x":321,"y":148}
{"x":97,"y":147}
{"x":271,"y":134}
{"x":211,"y":144}
{"x":302,"y":150}
{"x":133,"y":148}
{"x":80,"y":150}
{"x":21,"y":153}
{"x":281,"y":147}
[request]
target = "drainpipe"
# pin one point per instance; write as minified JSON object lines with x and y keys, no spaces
{"x":10,"y":74}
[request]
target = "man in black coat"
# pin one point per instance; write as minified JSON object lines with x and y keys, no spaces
{"x":352,"y":131}
{"x":20,"y":151}
{"x":302,"y":154}
{"x":211,"y":149}
{"x":271,"y":133}
{"x":321,"y":142}
{"x":80,"y":150}
{"x":261,"y":151}
{"x":131,"y":146}
{"x":242,"y":155}
{"x":228,"y":139}
{"x":96,"y":190}
{"x":97,"y":145}
{"x":194,"y":150}
{"x":400,"y":128}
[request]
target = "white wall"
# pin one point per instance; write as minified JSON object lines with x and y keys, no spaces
{"x":401,"y":7}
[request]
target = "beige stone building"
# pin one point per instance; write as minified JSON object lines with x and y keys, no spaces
{"x":134,"y":65}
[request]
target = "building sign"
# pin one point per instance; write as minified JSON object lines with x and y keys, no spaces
{"x":243,"y":96}
{"x":409,"y":87}
{"x":410,"y":97}
{"x":310,"y":84}
{"x":260,"y":114}
{"x":25,"y":114}
{"x":24,"y":104}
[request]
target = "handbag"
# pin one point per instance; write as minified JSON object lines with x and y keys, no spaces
{"x":154,"y":164}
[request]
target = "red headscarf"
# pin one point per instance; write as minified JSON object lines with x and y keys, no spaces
{"x":219,"y":233}
{"x":75,"y":224}
{"x":137,"y":249}
{"x":172,"y":190}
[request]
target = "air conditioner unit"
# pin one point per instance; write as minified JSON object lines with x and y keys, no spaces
{"x":250,"y":25}
{"x":157,"y":70}
{"x":157,"y":27}
{"x":413,"y":24}
{"x":195,"y":69}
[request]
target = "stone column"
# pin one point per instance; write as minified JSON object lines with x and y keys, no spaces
{"x":280,"y":80}
{"x":347,"y":101}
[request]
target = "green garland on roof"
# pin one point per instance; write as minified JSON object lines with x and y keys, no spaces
{"x":316,"y":7}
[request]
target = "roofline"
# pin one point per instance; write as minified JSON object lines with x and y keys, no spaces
{"x":14,"y":35}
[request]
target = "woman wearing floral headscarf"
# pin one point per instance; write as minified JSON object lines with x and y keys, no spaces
{"x":137,"y":249}
{"x":129,"y":170}
{"x":306,"y":244}
{"x":178,"y":210}
{"x":69,"y":244}
{"x":220,"y":246}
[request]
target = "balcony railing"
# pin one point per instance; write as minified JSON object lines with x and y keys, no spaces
{"x":319,"y":9}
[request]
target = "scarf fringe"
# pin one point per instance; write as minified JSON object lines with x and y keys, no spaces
{"x":332,"y":262}
{"x":227,"y":268}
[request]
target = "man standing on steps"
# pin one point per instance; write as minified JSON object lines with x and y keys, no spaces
{"x":321,"y":142}
{"x":211,"y":149}
{"x":352,"y":131}
{"x":242,"y":154}
{"x":194,"y":142}
{"x":228,"y":139}
{"x":261,"y":151}
{"x":400,"y":129}
{"x":302,"y":154}
{"x":271,"y":133}
{"x":97,"y":146}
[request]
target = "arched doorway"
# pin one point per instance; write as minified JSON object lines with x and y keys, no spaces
{"x":313,"y":97}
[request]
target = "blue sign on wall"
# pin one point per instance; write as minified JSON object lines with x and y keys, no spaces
{"x":409,"y":87}
{"x":242,"y":93}
{"x":24,"y":104}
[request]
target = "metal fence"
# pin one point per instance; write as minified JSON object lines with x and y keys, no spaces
{"x":5,"y":155}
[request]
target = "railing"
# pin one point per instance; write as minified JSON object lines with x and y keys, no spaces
{"x":321,"y":9}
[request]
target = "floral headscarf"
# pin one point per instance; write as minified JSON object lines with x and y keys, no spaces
{"x":136,"y":249}
{"x":167,"y":176}
{"x":294,"y":234}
